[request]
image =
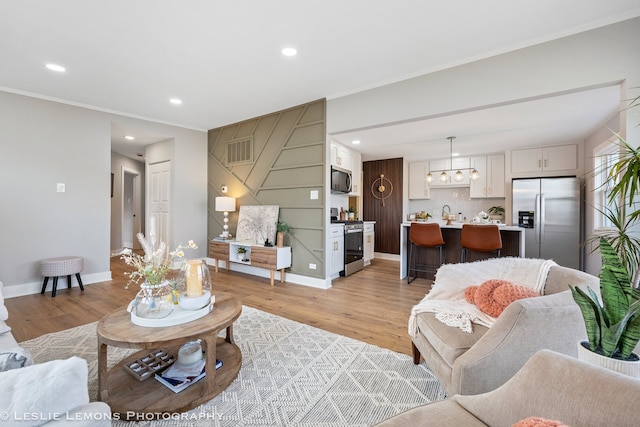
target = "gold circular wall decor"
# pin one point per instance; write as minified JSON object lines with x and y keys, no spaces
{"x":378,"y":186}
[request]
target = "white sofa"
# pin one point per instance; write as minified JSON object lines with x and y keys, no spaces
{"x":52,"y":393}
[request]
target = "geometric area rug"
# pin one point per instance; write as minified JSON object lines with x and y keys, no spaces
{"x":292,"y":375}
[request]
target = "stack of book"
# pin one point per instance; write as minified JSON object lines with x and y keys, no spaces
{"x":178,"y":377}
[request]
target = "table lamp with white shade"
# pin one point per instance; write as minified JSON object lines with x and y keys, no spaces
{"x":225,"y":204}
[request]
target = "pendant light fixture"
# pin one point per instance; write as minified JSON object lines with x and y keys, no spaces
{"x":459,"y":176}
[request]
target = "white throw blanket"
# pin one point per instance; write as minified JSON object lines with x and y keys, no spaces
{"x":446,"y":297}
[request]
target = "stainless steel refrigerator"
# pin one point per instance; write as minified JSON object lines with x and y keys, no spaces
{"x":549,"y":210}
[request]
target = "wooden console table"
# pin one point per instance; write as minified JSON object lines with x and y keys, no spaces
{"x":133,"y":399}
{"x":270,"y":257}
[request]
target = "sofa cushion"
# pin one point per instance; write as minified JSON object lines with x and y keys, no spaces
{"x":441,"y":413}
{"x":51,"y":388}
{"x":450,"y":342}
{"x":15,"y":358}
{"x":559,"y":279}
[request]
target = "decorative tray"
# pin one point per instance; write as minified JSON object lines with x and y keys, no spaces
{"x":177,"y":317}
{"x":144,"y":367}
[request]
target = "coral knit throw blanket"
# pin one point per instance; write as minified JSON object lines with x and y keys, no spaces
{"x":446,"y":297}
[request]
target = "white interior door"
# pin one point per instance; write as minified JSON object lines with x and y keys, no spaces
{"x":159,"y":201}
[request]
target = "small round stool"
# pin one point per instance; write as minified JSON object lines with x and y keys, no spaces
{"x":62,"y":266}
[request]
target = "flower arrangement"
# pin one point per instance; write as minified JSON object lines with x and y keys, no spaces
{"x":153,"y":266}
{"x":423,"y":216}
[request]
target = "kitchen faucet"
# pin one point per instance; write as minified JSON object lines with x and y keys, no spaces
{"x":448,"y":207}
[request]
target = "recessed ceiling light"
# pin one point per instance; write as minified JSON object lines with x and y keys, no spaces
{"x":289,"y":51}
{"x":355,"y":141}
{"x":455,"y":154}
{"x":129,"y":137}
{"x":175,"y":101}
{"x":55,"y":67}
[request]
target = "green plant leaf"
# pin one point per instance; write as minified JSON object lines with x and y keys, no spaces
{"x":624,"y":174}
{"x":621,"y":237}
{"x":614,"y":298}
{"x":590,"y":314}
{"x":615,"y":285}
{"x":631,"y":334}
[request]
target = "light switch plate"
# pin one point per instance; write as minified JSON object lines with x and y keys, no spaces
{"x":60,"y":188}
{"x":313,"y":194}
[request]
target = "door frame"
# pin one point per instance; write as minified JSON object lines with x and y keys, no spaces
{"x":137,"y":205}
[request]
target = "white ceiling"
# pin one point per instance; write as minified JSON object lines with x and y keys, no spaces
{"x":222,"y":58}
{"x":563,"y":118}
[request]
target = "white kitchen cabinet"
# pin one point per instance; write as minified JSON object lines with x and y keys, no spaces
{"x":490,"y":182}
{"x":341,"y":157}
{"x":545,"y":159}
{"x":451,"y":166}
{"x":336,"y":249}
{"x":334,"y":154}
{"x":369,"y":239}
{"x":418,"y":185}
{"x":356,"y":173}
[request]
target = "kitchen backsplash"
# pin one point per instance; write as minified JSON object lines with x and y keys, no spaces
{"x":457,"y":198}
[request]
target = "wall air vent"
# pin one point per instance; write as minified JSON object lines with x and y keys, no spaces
{"x":240,"y":151}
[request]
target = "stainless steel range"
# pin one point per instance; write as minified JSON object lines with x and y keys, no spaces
{"x":353,"y":246}
{"x":353,"y":243}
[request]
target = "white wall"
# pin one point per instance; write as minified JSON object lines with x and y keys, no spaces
{"x":43,"y":143}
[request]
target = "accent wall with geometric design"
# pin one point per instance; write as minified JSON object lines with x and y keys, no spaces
{"x":276,"y":159}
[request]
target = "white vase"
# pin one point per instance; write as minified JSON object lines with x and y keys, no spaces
{"x":629,"y":368}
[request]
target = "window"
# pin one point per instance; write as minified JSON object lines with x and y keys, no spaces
{"x":605,"y":156}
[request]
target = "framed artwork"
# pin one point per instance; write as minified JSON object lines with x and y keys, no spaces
{"x":257,"y":223}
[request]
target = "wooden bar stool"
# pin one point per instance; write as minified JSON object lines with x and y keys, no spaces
{"x":424,"y":236}
{"x":480,"y":238}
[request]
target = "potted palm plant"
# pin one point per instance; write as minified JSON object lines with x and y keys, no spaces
{"x":613,"y":328}
{"x":624,"y":180}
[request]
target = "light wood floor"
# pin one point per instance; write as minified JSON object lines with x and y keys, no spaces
{"x":372,"y":305}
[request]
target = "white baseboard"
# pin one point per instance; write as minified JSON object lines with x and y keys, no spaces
{"x":391,"y":257}
{"x":23,"y":289}
{"x":261,"y":272}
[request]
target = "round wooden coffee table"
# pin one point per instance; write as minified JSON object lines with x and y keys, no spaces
{"x":142,"y":400}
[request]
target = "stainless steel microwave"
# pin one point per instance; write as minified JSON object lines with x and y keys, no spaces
{"x":340,"y":180}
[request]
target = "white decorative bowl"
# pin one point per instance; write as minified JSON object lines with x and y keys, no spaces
{"x":194,"y":303}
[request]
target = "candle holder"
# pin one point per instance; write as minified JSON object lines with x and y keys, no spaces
{"x":196,"y":293}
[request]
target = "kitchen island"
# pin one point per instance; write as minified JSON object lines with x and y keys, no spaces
{"x":512,"y":245}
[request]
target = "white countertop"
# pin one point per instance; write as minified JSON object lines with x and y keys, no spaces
{"x":458,"y":225}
